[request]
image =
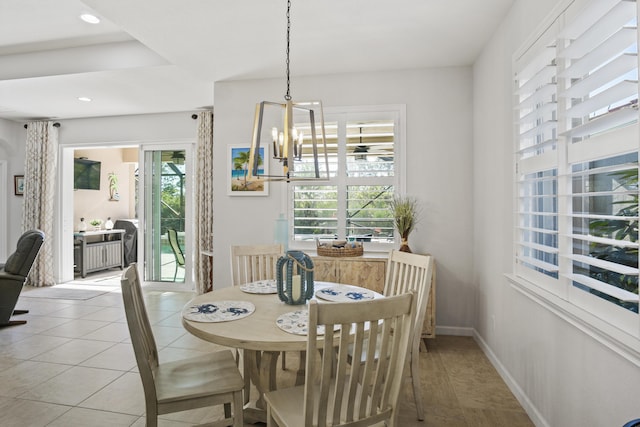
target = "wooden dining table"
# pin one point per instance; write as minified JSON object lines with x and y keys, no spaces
{"x":257,"y":335}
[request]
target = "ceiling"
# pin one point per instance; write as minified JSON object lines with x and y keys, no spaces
{"x":152,"y":56}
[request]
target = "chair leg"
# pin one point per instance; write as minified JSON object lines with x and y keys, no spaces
{"x":152,"y":419}
{"x":13,"y":323}
{"x":415,"y":380}
{"x":284,"y":360}
{"x":238,"y":414}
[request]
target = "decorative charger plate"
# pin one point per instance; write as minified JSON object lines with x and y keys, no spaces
{"x":296,"y":322}
{"x":218,"y":311}
{"x":344,"y":294}
{"x":260,"y":287}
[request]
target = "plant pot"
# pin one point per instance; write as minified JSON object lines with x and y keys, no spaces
{"x":404,"y":245}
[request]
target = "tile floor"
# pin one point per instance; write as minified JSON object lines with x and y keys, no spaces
{"x":72,"y":365}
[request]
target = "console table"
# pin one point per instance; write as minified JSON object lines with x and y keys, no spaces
{"x":98,"y":250}
{"x":369,"y":271}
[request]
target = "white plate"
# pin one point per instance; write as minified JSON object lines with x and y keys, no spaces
{"x":260,"y":287}
{"x":344,"y":294}
{"x":218,"y":311}
{"x":296,"y":322}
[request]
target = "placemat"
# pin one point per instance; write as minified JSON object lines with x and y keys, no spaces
{"x":218,"y":311}
{"x":260,"y":287}
{"x":296,"y":322}
{"x":344,"y":294}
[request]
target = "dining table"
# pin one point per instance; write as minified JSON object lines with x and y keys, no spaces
{"x":251,"y":317}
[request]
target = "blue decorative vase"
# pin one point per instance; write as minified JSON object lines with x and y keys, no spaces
{"x":295,"y":283}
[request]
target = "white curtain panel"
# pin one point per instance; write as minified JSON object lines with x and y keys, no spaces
{"x":41,"y":162}
{"x":204,"y":202}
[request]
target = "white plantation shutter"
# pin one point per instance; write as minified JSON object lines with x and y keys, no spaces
{"x":537,"y":160}
{"x":599,"y":86}
{"x":577,"y":143}
{"x":353,"y":202}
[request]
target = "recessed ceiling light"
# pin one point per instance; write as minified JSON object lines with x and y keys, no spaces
{"x":91,"y":19}
{"x":84,"y":99}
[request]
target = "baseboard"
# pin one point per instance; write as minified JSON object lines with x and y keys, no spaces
{"x":454,"y":330}
{"x":527,"y":405}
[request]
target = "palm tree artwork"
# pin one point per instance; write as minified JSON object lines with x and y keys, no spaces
{"x":240,"y":159}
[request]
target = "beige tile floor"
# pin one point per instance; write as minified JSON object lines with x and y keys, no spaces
{"x":72,"y":365}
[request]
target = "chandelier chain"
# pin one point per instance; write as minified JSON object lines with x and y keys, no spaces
{"x":288,"y":95}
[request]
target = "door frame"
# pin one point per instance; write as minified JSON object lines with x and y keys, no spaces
{"x":63,"y":221}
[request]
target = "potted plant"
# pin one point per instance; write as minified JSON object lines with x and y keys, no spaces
{"x":405,"y":216}
{"x":96,"y":223}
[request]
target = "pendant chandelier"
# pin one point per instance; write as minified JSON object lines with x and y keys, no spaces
{"x":294,"y":132}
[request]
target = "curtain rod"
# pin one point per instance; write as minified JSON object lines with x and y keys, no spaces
{"x":56,"y":124}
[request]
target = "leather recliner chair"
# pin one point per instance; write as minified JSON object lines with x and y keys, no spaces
{"x":13,"y":275}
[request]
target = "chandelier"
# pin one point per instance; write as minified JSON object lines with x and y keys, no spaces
{"x":293,"y":131}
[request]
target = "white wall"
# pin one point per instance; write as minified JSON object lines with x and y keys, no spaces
{"x":12,"y":143}
{"x":439,"y":155}
{"x":562,"y":375}
{"x":96,"y":204}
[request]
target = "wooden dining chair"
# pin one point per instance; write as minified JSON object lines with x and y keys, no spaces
{"x":335,"y":392}
{"x":196,"y":382}
{"x":412,"y":272}
{"x":250,"y":263}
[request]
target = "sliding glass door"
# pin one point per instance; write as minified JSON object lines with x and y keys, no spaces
{"x":165,"y":204}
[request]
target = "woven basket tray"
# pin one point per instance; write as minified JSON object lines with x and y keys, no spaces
{"x":348,"y":250}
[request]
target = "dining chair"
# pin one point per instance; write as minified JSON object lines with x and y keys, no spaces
{"x":335,"y":392}
{"x":172,"y":236}
{"x":411,"y":272}
{"x":196,"y":382}
{"x":250,"y":263}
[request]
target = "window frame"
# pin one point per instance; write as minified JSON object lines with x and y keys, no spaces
{"x":342,"y":115}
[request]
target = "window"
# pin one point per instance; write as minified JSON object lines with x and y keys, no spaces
{"x":353,"y":203}
{"x":577,"y":159}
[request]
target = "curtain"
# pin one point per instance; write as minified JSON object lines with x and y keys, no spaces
{"x":204,"y":203}
{"x":41,"y":162}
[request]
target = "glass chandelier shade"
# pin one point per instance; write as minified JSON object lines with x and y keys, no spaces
{"x":294,"y":132}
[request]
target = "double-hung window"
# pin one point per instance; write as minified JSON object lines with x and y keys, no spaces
{"x":577,"y":143}
{"x":364,"y":163}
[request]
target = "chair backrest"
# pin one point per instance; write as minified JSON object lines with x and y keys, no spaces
{"x":410,"y":272}
{"x":172,"y":235}
{"x":20,"y":262}
{"x":144,"y":344}
{"x":254,"y":262}
{"x":348,"y":392}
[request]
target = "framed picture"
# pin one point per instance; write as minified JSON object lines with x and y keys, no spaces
{"x":18,"y":185}
{"x":239,"y":182}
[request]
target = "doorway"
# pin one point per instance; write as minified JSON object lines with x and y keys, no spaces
{"x":159,"y":199}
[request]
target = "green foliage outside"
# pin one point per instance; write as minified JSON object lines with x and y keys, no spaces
{"x":368,"y":215}
{"x":619,"y":229}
